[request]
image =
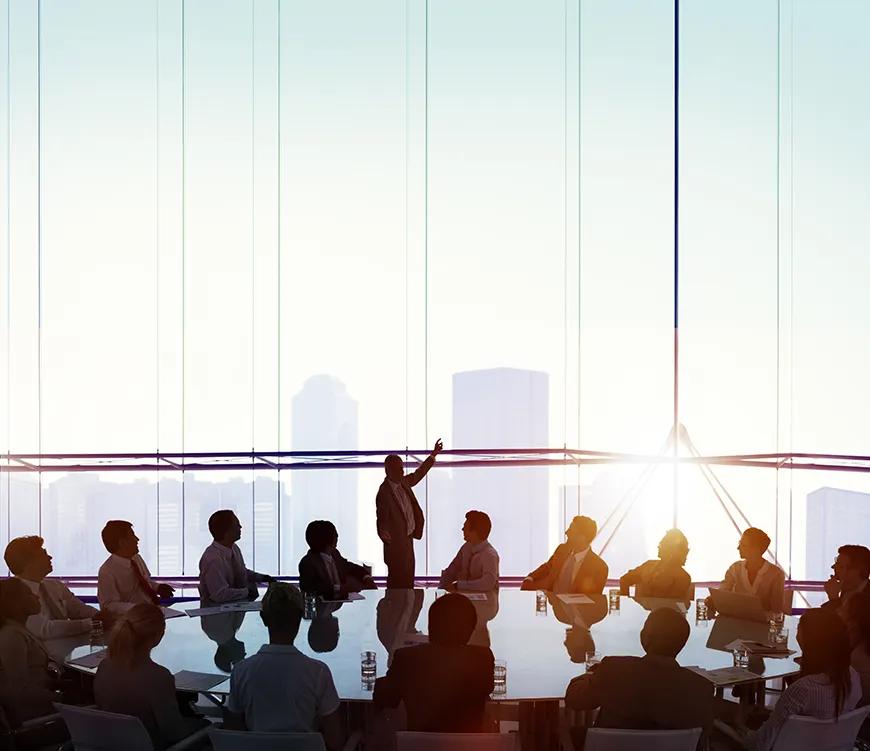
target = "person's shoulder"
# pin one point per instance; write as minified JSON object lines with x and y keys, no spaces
{"x":55,"y":584}
{"x":316,"y":666}
{"x":698,"y":682}
{"x":106,"y":566}
{"x":479,"y":653}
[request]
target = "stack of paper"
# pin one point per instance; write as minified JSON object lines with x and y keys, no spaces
{"x":575,"y":599}
{"x":759,"y":648}
{"x":91,"y":660}
{"x":723,"y":676}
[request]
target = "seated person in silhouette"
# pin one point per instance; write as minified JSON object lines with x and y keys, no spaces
{"x":222,"y":628}
{"x":61,"y":613}
{"x":851,"y":570}
{"x":475,"y":567}
{"x":27,"y":683}
{"x":124,"y":580}
{"x":826,"y":688}
{"x":223,"y":576}
{"x":323,"y":631}
{"x":666,"y":576}
{"x":129,"y":682}
{"x":573,"y":567}
{"x":397,"y":614}
{"x":445,"y":683}
{"x":752,"y":575}
{"x":324,"y":570}
{"x":646,"y":693}
{"x":279,"y":689}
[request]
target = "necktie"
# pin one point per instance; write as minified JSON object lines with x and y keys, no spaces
{"x":566,"y":577}
{"x":53,"y":608}
{"x":144,"y":584}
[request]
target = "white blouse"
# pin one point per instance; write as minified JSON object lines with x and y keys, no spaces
{"x":769,"y":584}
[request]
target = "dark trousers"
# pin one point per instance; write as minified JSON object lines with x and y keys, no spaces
{"x":399,"y":557}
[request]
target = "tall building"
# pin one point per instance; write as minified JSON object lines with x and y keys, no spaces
{"x":498,"y":408}
{"x":835,"y":517}
{"x":325,"y":418}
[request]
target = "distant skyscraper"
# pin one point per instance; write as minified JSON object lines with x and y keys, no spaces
{"x":498,"y":408}
{"x":325,"y":418}
{"x":835,"y":517}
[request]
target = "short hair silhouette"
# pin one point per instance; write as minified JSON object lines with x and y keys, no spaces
{"x":759,"y":539}
{"x":674,"y":547}
{"x":479,"y":522}
{"x":21,"y":551}
{"x":859,"y":557}
{"x":320,"y":534}
{"x":587,"y":526}
{"x":664,"y":633}
{"x":12,"y":594}
{"x":282,"y":608}
{"x":228,"y":654}
{"x":219,"y":522}
{"x":391,"y":459}
{"x":452,"y":620}
{"x":115,"y":531}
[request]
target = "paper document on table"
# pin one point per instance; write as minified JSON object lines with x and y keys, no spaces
{"x":723,"y":676}
{"x":170,"y":613}
{"x":91,"y":660}
{"x":575,"y":599}
{"x":351,"y":597}
{"x":758,"y":648}
{"x":475,"y":596}
{"x":187,"y":680}
{"x":197,"y":612}
{"x":242,"y":607}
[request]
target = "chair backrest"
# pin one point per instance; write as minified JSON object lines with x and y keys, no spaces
{"x":93,"y":730}
{"x":233,"y":740}
{"x":810,"y":734}
{"x":605,"y":739}
{"x":456,"y":741}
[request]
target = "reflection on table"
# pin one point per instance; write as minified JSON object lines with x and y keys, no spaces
{"x":542,"y":653}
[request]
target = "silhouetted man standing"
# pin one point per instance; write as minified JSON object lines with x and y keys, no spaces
{"x":400,"y":518}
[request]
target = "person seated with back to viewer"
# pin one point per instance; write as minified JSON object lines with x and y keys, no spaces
{"x":223,"y":576}
{"x":573,"y":567}
{"x":124,"y":580}
{"x":445,"y":683}
{"x":129,"y":682}
{"x":646,"y":693}
{"x":851,"y":571}
{"x":61,"y":613}
{"x":752,"y":575}
{"x":324,"y":571}
{"x":665,"y":577}
{"x":279,"y":689}
{"x":826,"y":688}
{"x":475,"y":567}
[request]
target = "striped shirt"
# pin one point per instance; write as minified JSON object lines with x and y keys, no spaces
{"x":810,"y":696}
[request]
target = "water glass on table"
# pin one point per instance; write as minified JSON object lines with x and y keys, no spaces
{"x":97,"y":635}
{"x":702,"y":611}
{"x":777,"y":621}
{"x":540,"y":603}
{"x":741,"y":658}
{"x":499,"y":678}
{"x":368,"y":665}
{"x":613,"y":596}
{"x":780,"y":638}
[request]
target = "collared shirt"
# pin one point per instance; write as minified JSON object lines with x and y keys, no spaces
{"x":401,"y":493}
{"x":810,"y":696}
{"x":223,"y":576}
{"x":61,"y":613}
{"x":769,"y":584}
{"x":474,"y":569}
{"x":118,"y":587}
{"x":569,"y":571}
{"x":280,"y":690}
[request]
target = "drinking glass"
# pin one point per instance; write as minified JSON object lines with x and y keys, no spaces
{"x":368,"y":666}
{"x":741,"y":658}
{"x":777,"y":621}
{"x":541,"y":603}
{"x":780,"y":638}
{"x":499,"y":676}
{"x":309,"y":606}
{"x":702,"y":613}
{"x":614,"y":594}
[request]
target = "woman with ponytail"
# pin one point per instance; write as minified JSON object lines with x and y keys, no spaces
{"x":129,"y":682}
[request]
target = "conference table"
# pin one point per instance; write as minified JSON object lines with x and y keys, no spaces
{"x":543,"y":642}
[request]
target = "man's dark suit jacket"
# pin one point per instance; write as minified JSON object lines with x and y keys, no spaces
{"x":390,"y":518}
{"x":644,"y":693}
{"x":590,"y":579}
{"x":313,"y":576}
{"x":444,"y":689}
